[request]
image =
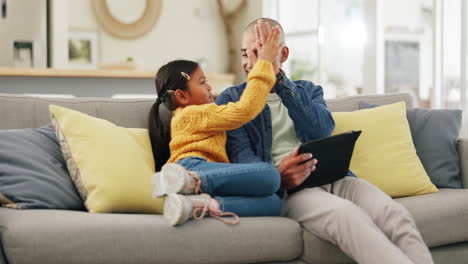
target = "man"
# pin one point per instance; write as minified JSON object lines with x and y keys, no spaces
{"x":351,"y":213}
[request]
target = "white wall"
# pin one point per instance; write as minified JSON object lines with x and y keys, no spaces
{"x":185,"y":29}
{"x":189,"y":29}
{"x":253,"y":11}
{"x":59,"y":34}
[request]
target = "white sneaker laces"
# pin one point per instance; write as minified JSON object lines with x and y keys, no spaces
{"x":201,"y":207}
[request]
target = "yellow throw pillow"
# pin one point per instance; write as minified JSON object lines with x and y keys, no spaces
{"x":111,"y":166}
{"x":384,"y":153}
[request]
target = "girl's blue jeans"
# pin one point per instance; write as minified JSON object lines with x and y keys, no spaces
{"x":244,"y":189}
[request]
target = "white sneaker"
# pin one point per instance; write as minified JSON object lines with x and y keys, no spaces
{"x":174,"y":178}
{"x":179,"y":208}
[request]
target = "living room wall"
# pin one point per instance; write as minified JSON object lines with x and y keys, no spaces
{"x":185,"y":29}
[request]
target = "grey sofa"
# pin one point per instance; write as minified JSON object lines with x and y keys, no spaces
{"x":59,"y":236}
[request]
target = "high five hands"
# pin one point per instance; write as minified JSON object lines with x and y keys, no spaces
{"x":267,"y":44}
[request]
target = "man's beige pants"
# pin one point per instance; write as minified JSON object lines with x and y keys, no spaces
{"x":362,"y":220}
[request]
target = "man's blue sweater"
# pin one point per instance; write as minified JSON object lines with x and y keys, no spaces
{"x":306,"y":107}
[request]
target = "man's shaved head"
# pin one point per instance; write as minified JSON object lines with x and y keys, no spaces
{"x":249,"y":43}
{"x":250,"y":29}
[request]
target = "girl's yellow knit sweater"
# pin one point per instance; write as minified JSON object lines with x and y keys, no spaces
{"x":200,"y":130}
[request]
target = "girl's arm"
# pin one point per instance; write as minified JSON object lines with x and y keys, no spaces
{"x":212,"y":117}
{"x":259,"y":83}
{"x":233,"y":115}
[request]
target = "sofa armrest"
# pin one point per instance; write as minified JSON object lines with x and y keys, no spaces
{"x":463,"y":153}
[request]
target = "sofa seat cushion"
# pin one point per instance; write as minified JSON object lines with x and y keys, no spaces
{"x":317,"y":250}
{"x":442,"y":218}
{"x":58,"y":236}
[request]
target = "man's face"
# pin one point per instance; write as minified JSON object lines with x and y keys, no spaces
{"x":248,"y":42}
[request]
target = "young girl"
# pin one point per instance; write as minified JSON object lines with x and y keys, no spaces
{"x":198,"y":178}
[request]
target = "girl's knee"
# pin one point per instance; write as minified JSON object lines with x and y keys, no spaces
{"x":279,"y":206}
{"x":276,"y":206}
{"x":271,"y":178}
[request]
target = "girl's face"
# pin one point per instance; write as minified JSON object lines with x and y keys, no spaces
{"x":199,"y":91}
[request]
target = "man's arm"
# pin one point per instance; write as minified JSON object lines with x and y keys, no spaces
{"x":306,"y":107}
{"x":312,"y":119}
{"x":241,"y":149}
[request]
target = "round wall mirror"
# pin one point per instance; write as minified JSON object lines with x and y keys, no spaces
{"x":120,"y":10}
{"x":118,"y":19}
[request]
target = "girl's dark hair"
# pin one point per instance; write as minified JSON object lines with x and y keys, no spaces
{"x":168,"y":77}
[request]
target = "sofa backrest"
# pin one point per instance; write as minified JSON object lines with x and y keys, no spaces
{"x":351,"y":103}
{"x":21,"y":111}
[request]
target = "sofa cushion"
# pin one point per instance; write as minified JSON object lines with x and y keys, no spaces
{"x":55,"y":236}
{"x":453,"y":253}
{"x":442,"y":217}
{"x":33,"y":173}
{"x":111,"y":166}
{"x":384,"y":153}
{"x":435,"y":133}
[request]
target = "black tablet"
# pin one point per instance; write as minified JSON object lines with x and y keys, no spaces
{"x":333,"y":155}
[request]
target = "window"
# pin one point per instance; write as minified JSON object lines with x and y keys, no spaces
{"x":408,"y":48}
{"x":326,"y":41}
{"x":451,"y":54}
{"x":350,"y":46}
{"x":301,"y":36}
{"x":344,"y":41}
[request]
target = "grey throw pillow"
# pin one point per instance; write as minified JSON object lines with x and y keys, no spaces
{"x":33,"y":173}
{"x":435,"y":133}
